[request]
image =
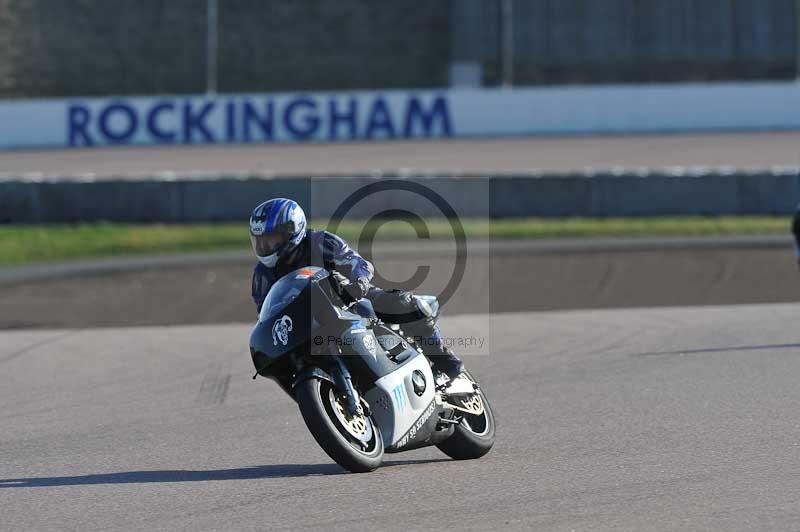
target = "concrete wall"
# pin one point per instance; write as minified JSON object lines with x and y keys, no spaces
{"x":601,"y":195}
{"x":385,"y":115}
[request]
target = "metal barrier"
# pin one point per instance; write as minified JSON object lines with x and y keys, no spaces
{"x":597,"y":195}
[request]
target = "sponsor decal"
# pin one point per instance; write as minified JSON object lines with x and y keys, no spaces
{"x":305,"y":273}
{"x":418,"y":424}
{"x":280,"y":330}
{"x":400,"y":399}
{"x":268,"y":118}
{"x":257,"y":228}
{"x":369,"y":343}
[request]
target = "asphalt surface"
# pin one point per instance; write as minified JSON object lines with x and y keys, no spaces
{"x":647,"y":419}
{"x":639,"y":419}
{"x":739,"y":150}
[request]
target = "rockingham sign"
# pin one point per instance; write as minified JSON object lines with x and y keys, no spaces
{"x":397,"y":114}
{"x":256,"y":119}
{"x":259,"y":118}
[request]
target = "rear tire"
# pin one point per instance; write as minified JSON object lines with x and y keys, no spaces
{"x":314,"y":398}
{"x":474,"y":437}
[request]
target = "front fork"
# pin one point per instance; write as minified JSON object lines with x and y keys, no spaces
{"x":345,"y":383}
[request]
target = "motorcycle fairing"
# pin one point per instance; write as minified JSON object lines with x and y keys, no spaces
{"x":397,"y":407}
{"x":360,"y":341}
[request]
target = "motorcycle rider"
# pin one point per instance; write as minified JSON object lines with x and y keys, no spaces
{"x":283,"y":243}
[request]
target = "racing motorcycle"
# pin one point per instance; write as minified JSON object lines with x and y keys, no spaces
{"x":363,"y":388}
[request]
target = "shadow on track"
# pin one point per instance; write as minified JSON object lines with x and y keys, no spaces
{"x":721,"y":349}
{"x":145,"y":477}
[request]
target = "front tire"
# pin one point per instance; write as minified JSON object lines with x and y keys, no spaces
{"x":474,"y":437}
{"x":337,"y":433}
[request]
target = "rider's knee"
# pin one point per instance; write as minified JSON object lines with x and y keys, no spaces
{"x":364,"y":308}
{"x":397,"y":306}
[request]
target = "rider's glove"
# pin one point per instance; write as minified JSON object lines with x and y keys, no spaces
{"x":358,"y":289}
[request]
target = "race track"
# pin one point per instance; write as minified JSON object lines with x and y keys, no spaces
{"x":646,"y":419}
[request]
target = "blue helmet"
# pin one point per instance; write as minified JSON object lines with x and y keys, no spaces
{"x":277,"y":227}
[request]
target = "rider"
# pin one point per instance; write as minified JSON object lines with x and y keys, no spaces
{"x":283,"y":243}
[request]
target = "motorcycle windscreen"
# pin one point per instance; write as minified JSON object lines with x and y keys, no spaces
{"x":286,"y":290}
{"x":287,"y":314}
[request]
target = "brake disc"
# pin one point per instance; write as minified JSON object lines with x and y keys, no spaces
{"x":471,"y":404}
{"x":356,"y":426}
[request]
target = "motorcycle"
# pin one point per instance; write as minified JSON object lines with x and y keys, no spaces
{"x":363,"y":388}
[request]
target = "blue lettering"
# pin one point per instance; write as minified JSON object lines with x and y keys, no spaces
{"x":310,"y":124}
{"x":230,"y":121}
{"x":195,"y":121}
{"x":152,"y":122}
{"x":125,"y":134}
{"x":347,"y":118}
{"x":415,"y":113}
{"x":264,"y":122}
{"x":79,"y":117}
{"x":379,"y":119}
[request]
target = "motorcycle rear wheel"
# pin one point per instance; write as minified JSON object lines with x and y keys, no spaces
{"x":474,"y":437}
{"x":337,"y":433}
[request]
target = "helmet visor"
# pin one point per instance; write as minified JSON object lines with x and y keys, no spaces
{"x":268,"y":243}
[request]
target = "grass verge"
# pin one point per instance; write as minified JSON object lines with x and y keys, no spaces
{"x":27,"y":244}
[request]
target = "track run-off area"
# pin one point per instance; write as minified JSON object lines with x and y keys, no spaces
{"x":676,"y":418}
{"x":506,"y":155}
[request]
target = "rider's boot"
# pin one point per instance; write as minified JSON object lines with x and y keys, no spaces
{"x":442,"y":358}
{"x":446,"y":362}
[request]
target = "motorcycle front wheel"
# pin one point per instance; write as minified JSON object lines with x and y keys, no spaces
{"x":352,"y":441}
